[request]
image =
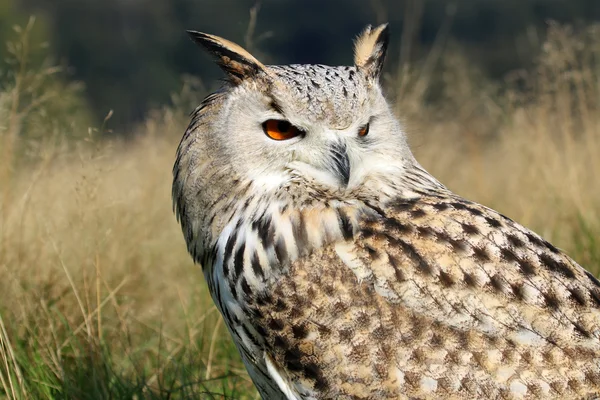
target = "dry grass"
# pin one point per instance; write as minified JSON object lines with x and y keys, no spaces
{"x":530,"y":153}
{"x":99,"y":299}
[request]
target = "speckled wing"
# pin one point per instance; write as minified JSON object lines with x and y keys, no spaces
{"x":435,"y":298}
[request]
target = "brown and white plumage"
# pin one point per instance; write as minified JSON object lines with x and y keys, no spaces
{"x":344,"y":270}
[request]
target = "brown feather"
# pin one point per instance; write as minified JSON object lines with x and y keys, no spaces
{"x":232,"y":58}
{"x":370,"y":49}
{"x":395,"y":324}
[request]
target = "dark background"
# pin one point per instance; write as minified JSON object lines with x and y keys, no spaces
{"x":132,"y":55}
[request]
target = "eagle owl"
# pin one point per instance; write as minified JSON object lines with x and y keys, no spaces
{"x":344,"y":270}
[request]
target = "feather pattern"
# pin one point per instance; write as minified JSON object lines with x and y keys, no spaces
{"x":431,"y":297}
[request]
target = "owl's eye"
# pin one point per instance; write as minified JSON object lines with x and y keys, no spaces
{"x":278,"y":129}
{"x":363,"y":131}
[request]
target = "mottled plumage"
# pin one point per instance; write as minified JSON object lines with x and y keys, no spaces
{"x":343,"y":270}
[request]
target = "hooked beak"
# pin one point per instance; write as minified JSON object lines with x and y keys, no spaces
{"x":340,"y":164}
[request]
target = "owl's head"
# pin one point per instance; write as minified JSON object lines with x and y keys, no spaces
{"x":331,"y":125}
{"x":329,"y":128}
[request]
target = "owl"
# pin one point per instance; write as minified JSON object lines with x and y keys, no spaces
{"x":344,"y":270}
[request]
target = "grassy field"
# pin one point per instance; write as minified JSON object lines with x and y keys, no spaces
{"x":98,"y":298}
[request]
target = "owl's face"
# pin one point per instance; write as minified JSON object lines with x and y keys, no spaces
{"x":328,"y":125}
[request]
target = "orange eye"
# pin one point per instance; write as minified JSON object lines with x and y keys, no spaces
{"x":364,"y":130}
{"x":280,"y":130}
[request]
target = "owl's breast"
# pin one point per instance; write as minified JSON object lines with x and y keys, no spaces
{"x":425,"y":298}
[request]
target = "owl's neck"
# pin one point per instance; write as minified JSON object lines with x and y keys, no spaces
{"x":304,"y":213}
{"x":409,"y":182}
{"x":262,"y":240}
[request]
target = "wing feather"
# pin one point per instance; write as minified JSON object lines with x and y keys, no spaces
{"x":439,"y":298}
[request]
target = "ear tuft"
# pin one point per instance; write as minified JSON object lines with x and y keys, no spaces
{"x":370,"y":49}
{"x":237,"y":63}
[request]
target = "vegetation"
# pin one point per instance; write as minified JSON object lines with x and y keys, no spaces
{"x":98,"y":298}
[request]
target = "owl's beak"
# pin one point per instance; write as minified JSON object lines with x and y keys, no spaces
{"x":340,"y":163}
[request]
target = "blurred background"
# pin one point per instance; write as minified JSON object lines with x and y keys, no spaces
{"x":131,"y":55}
{"x":99,"y":299}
